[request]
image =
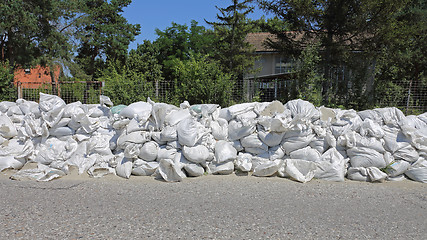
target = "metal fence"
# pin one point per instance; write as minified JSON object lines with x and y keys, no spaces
{"x":410,"y":97}
{"x":85,"y":92}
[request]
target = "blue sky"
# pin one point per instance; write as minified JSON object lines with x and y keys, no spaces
{"x":152,"y":14}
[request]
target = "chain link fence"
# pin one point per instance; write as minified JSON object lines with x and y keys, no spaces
{"x":410,"y":97}
{"x":86,"y":92}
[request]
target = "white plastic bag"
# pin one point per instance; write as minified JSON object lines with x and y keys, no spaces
{"x":306,"y":153}
{"x":243,"y":162}
{"x":169,"y":171}
{"x":267,"y":169}
{"x":196,"y":154}
{"x":224,"y":152}
{"x":149,"y":151}
{"x":139,"y":110}
{"x":365,"y":157}
{"x":300,"y":170}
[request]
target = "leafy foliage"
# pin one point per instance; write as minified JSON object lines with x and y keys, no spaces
{"x":200,"y":80}
{"x":125,"y":86}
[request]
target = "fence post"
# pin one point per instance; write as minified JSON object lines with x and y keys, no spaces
{"x":19,"y":90}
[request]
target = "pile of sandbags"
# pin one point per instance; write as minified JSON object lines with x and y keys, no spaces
{"x":295,"y":140}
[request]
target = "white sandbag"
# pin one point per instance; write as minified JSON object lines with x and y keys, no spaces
{"x":237,"y":145}
{"x":375,"y":174}
{"x":371,"y":114}
{"x":281,"y":123}
{"x":271,"y":139}
{"x":276,"y":153}
{"x":194,"y":170}
{"x":303,"y":109}
{"x":224,"y":168}
{"x":99,"y":144}
{"x":124,"y":167}
{"x":80,"y":159}
{"x":61,"y":131}
{"x":149,"y":151}
{"x":365,"y":157}
{"x":196,"y":154}
{"x":132,"y":150}
{"x":48,"y":103}
{"x":300,"y":170}
{"x":28,"y":174}
{"x":139,"y":110}
{"x":306,"y":153}
{"x":139,"y":137}
{"x":169,"y":171}
{"x":9,"y":162}
{"x":52,"y":117}
{"x":188,"y":134}
{"x":105,"y":100}
{"x":407,"y":153}
{"x":14,"y":110}
{"x":397,"y":168}
{"x":353,"y":139}
{"x":224,"y":152}
{"x":394,"y":140}
{"x":237,"y":109}
{"x":294,"y":143}
{"x":238,"y":130}
{"x":252,"y":141}
{"x":7,"y":128}
{"x":100,"y":171}
{"x":370,"y":128}
{"x":50,"y":174}
{"x":320,"y":144}
{"x":5,"y":105}
{"x":243,"y":162}
{"x":271,"y":109}
{"x":357,"y":174}
{"x":391,"y":116}
{"x":327,"y":114}
{"x":159,"y":113}
{"x":168,"y":134}
{"x":219,"y":129}
{"x":418,"y":171}
{"x":143,"y":168}
{"x":331,"y":167}
{"x":267,"y":169}
{"x":166,"y":153}
{"x":176,"y":116}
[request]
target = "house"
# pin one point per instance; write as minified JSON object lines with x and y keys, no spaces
{"x":30,"y":81}
{"x":34,"y":78}
{"x":274,"y":70}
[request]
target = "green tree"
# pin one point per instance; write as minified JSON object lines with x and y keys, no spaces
{"x":181,"y":42}
{"x":201,"y":80}
{"x":125,"y":86}
{"x":341,"y":27}
{"x":104,"y":34}
{"x":143,"y":61}
{"x":402,"y":61}
{"x":231,"y":49}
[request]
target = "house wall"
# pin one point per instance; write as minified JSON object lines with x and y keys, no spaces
{"x":265,"y":64}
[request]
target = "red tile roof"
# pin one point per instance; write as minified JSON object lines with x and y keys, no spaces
{"x":35,"y":77}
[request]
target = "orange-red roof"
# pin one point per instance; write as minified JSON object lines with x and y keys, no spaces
{"x":35,"y":77}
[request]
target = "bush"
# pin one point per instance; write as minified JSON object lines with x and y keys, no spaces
{"x":201,"y":80}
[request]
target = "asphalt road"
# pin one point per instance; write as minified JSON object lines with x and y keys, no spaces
{"x":211,"y":207}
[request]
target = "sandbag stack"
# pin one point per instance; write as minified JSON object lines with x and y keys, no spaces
{"x":295,"y":140}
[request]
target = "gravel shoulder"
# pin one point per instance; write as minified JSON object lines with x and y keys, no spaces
{"x":210,"y":207}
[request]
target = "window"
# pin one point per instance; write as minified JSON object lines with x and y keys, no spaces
{"x":283,"y":65}
{"x":27,"y":71}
